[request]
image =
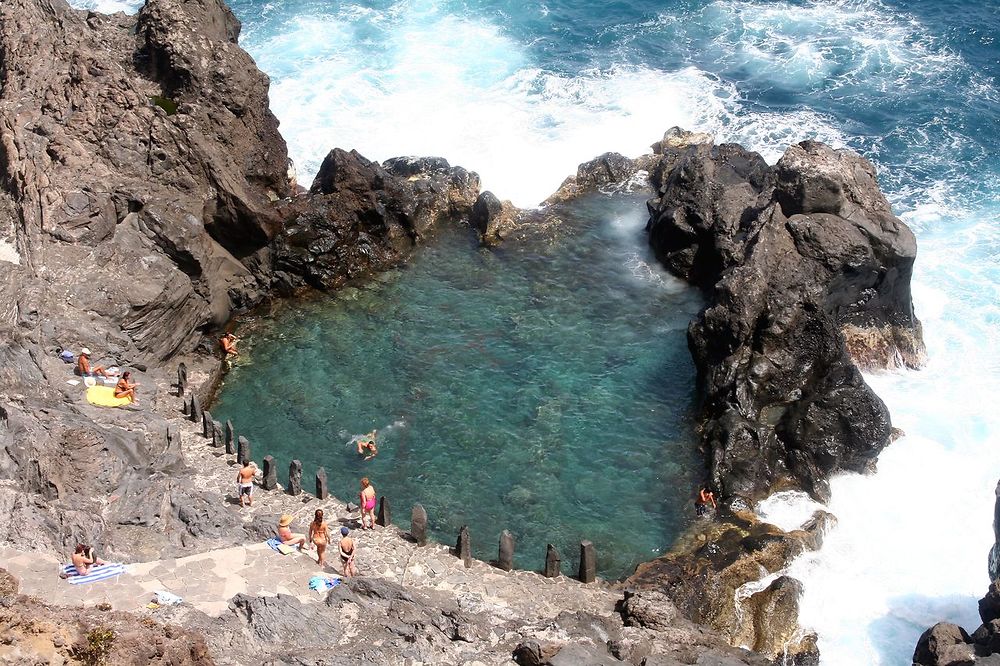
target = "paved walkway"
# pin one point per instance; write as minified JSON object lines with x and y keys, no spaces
{"x":208,"y":580}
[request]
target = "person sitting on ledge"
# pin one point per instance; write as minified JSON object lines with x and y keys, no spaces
{"x":367,"y":443}
{"x":228,"y":342}
{"x":84,"y":368}
{"x":126,"y":389}
{"x":84,"y":558}
{"x":288,"y":537}
{"x":705,"y":497}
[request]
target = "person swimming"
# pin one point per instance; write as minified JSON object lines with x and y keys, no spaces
{"x":367,"y":444}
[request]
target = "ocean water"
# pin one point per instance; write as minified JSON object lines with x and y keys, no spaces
{"x":522,"y":92}
{"x":544,"y":388}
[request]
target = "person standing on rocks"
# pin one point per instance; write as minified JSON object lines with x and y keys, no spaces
{"x":347,"y":553}
{"x":367,"y":496}
{"x":244,"y":483}
{"x":319,"y":535}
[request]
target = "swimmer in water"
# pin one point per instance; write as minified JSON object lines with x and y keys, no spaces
{"x":367,"y":443}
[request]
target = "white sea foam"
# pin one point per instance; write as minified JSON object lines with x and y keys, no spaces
{"x":108,"y":6}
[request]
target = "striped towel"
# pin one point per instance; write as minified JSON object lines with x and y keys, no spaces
{"x":99,"y":572}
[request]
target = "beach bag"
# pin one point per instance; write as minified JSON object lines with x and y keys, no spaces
{"x":67,"y":356}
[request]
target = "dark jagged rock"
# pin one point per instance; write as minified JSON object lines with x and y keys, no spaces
{"x":944,"y":644}
{"x":493,"y":219}
{"x":364,"y":217}
{"x":802,"y":261}
{"x":608,"y":169}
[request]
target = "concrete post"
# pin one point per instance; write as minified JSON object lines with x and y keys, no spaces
{"x":588,"y":562}
{"x":553,"y":563}
{"x":242,"y":450}
{"x":505,"y":558}
{"x":295,"y":478}
{"x":230,"y":438}
{"x":270,"y":473}
{"x":217,"y":434}
{"x":384,"y":517}
{"x":206,"y":424}
{"x":195,"y":414}
{"x":321,"y":488}
{"x":182,"y":379}
{"x":463,"y":548}
{"x":418,"y":525}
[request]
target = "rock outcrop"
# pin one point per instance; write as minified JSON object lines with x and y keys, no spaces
{"x":947,"y":644}
{"x":364,"y":217}
{"x":791,"y":256}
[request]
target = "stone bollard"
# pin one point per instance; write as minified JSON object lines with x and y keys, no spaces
{"x":463,"y":549}
{"x":186,"y":407}
{"x":270,"y":481}
{"x":230,"y":438}
{"x":206,"y":424}
{"x":217,"y":434}
{"x":553,"y":563}
{"x":505,"y":558}
{"x":295,"y":478}
{"x":588,"y":562}
{"x":384,"y":517}
{"x":243,"y":450}
{"x":173,"y":439}
{"x":182,"y":379}
{"x":418,"y":525}
{"x":322,"y":491}
{"x":195,"y":413}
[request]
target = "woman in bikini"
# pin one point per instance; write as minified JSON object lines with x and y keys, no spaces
{"x":124,"y":388}
{"x":288,"y":537}
{"x":319,"y":534}
{"x":367,"y":504}
{"x":347,"y":553}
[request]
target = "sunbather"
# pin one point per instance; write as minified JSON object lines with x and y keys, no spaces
{"x":288,"y":537}
{"x":228,"y":343}
{"x":84,"y":368}
{"x":125,"y":388}
{"x":84,"y":558}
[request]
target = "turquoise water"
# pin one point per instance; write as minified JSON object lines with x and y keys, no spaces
{"x":543,"y":387}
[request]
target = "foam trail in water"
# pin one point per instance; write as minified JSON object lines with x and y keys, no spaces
{"x":108,"y":6}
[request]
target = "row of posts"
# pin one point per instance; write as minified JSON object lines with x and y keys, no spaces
{"x":224,"y":435}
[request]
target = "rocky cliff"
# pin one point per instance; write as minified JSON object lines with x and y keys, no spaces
{"x":143,"y":202}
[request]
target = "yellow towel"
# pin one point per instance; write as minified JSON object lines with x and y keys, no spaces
{"x":104,"y":396}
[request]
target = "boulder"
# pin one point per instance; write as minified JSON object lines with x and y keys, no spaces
{"x":944,"y":644}
{"x":493,"y":219}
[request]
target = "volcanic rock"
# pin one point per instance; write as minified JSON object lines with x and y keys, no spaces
{"x":791,"y":257}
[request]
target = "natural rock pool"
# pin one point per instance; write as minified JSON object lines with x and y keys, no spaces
{"x":543,"y":387}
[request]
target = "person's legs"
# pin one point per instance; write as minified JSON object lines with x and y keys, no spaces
{"x":99,"y":370}
{"x":321,"y":554}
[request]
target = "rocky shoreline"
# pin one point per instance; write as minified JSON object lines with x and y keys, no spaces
{"x":146,"y":199}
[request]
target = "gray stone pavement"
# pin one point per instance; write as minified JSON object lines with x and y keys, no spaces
{"x":208,"y":580}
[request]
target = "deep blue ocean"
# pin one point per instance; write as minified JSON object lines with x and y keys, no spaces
{"x":523,"y":92}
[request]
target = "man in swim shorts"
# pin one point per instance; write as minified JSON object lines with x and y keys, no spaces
{"x":367,"y":443}
{"x":244,"y":482}
{"x":84,"y":368}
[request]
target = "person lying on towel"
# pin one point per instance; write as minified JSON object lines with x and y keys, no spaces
{"x":125,"y":388}
{"x":84,"y":558}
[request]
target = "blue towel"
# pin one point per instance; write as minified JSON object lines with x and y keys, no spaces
{"x":274,"y":542}
{"x":98,"y":572}
{"x":323,"y":583}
